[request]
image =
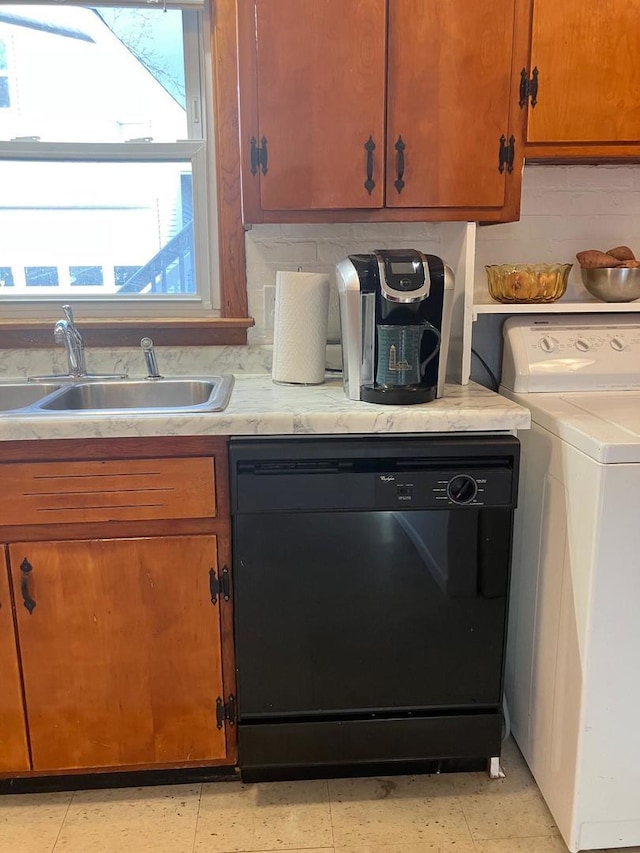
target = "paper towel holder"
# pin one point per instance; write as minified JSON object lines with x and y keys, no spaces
{"x":300,"y":328}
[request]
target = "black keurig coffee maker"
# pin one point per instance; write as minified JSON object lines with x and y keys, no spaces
{"x":395,"y":315}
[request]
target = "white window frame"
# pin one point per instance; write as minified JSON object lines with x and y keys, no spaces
{"x":205,"y":303}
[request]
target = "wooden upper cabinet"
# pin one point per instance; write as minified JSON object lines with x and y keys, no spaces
{"x":378,"y":110}
{"x":449,"y":86}
{"x":120,"y":646}
{"x":14,"y":754}
{"x":585,"y":54}
{"x":320,"y":68}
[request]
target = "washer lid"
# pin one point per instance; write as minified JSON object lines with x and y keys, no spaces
{"x":603,"y":424}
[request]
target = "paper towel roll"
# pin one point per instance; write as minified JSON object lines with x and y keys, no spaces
{"x":300,"y":328}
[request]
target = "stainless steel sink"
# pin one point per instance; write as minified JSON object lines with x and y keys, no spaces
{"x":17,"y":395}
{"x":143,"y":395}
{"x":126,"y":396}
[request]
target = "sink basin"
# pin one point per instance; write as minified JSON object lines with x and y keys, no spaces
{"x":18,"y":395}
{"x":135,"y":396}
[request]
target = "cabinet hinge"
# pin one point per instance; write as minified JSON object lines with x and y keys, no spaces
{"x":219,"y":585}
{"x":528,"y":87}
{"x":259,"y":155}
{"x":226,"y":711}
{"x":506,"y":154}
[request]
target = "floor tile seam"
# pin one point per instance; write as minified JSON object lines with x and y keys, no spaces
{"x":459,"y":799}
{"x":62,"y":822}
{"x":523,"y":838}
{"x":195,"y":829}
{"x":333,"y":835}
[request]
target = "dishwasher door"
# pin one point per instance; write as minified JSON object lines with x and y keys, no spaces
{"x":357,"y":612}
{"x":370,"y":579}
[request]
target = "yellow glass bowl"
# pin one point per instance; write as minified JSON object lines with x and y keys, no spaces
{"x":527,"y":282}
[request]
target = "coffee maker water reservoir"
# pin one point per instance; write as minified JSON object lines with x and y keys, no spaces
{"x":395,"y":315}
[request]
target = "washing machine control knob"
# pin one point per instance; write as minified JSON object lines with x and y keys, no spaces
{"x":462,"y":489}
{"x":548,"y":343}
{"x":618,"y":344}
{"x":583,"y":345}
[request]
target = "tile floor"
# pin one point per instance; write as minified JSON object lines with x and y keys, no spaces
{"x":451,"y":813}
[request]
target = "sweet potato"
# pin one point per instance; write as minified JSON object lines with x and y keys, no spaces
{"x":623,"y":253}
{"x":632,"y":265}
{"x":593,"y":259}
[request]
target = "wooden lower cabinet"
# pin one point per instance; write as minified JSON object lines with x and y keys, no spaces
{"x":14,"y":753}
{"x":121,"y":651}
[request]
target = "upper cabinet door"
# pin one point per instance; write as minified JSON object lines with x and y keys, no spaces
{"x":320,"y":72}
{"x":586,"y":53}
{"x":449,"y":93}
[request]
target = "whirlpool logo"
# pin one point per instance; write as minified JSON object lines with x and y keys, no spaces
{"x":386,"y":478}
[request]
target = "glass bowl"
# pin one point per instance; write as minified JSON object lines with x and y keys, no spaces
{"x":527,"y":282}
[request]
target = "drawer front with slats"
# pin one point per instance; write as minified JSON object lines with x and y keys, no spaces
{"x":113,"y":490}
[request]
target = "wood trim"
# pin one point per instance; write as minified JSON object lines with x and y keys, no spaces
{"x":388,"y":214}
{"x":26,"y":334}
{"x":115,"y":530}
{"x":112,"y":448}
{"x":226,"y":607}
{"x":224,"y":48}
{"x":134,"y":772}
{"x":519,"y":59}
{"x":249,"y":118}
{"x":572,"y":153}
{"x":14,"y":748}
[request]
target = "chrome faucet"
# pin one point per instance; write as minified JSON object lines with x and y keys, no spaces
{"x":66,"y":333}
{"x":150,"y":359}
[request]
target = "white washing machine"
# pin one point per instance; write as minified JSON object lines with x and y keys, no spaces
{"x":573,"y":659}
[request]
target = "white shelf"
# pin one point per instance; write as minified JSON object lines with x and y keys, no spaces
{"x":562,"y":306}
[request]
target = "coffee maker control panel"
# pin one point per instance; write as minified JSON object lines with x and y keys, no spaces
{"x":404,"y":275}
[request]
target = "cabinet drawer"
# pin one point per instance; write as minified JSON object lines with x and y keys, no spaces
{"x":113,"y":490}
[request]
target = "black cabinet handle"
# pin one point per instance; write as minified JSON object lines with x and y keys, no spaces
{"x":369,"y":147}
{"x":253,"y":156}
{"x":399,"y":182}
{"x":25,"y":570}
{"x":258,"y":155}
{"x":264,"y":156}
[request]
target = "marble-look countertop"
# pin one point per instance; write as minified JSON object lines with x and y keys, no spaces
{"x":260,"y":407}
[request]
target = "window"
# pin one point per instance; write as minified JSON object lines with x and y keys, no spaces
{"x":104,"y":181}
{"x":5,"y":94}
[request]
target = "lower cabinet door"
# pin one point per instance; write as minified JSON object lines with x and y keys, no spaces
{"x":14,"y":753}
{"x":120,"y":645}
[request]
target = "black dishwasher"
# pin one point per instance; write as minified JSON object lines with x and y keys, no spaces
{"x":371,"y":578}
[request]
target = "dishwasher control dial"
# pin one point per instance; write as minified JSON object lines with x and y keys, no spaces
{"x":583,"y":345}
{"x":462,"y":489}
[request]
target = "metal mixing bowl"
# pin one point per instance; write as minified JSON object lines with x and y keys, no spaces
{"x":617,"y":284}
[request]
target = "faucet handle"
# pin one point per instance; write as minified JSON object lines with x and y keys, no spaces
{"x":150,"y":359}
